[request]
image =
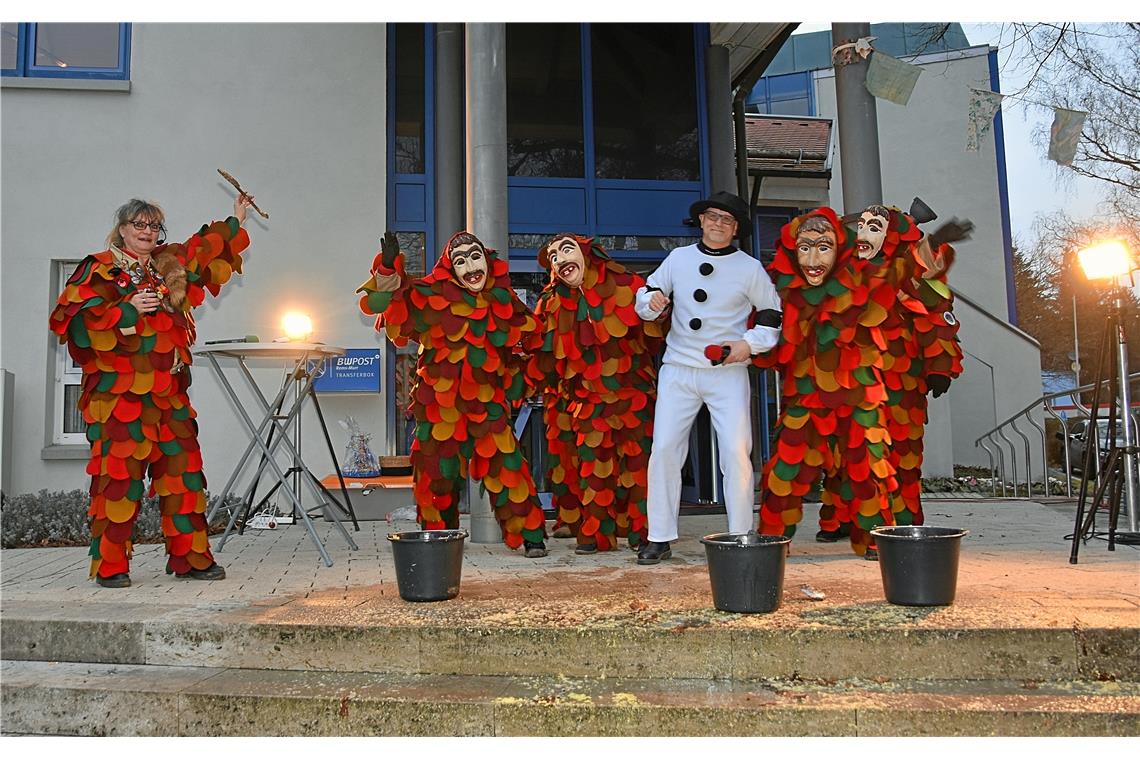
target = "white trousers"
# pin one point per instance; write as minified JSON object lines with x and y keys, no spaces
{"x":680,"y":393}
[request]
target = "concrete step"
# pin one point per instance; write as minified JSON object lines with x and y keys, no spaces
{"x":100,"y":699}
{"x":887,"y":642}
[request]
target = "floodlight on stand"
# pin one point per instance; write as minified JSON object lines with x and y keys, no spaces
{"x":1109,"y":260}
{"x":297,"y":326}
{"x":1112,"y":260}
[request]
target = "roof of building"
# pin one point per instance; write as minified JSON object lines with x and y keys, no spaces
{"x":788,"y":145}
{"x":807,"y":52}
{"x":747,"y":43}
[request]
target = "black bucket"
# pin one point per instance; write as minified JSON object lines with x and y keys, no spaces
{"x":428,"y":563}
{"x":919,"y":563}
{"x":746,"y":570}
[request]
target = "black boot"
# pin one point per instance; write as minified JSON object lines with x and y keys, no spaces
{"x":534,"y":549}
{"x":214,"y":572}
{"x":653,"y":552}
{"x":118,"y":580}
{"x":831,"y":536}
{"x":586,"y":549}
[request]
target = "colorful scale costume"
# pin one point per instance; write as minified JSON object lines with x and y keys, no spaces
{"x":922,"y":343}
{"x":833,"y":420}
{"x":596,"y":368}
{"x":134,"y":396}
{"x":467,"y":378}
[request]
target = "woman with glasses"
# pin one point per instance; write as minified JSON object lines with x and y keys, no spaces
{"x":125,"y":314}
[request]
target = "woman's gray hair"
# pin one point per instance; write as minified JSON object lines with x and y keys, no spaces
{"x":131,"y":210}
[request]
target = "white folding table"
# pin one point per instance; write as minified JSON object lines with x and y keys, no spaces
{"x":303,"y":362}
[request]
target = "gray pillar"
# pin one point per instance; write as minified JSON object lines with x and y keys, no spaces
{"x":858,"y":123}
{"x":450,"y":211}
{"x":486,"y":184}
{"x":718,"y":85}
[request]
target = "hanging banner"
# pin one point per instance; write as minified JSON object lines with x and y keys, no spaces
{"x":891,"y":79}
{"x":983,"y":105}
{"x":1064,"y":134}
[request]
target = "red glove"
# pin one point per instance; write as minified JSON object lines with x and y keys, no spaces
{"x":717,"y":353}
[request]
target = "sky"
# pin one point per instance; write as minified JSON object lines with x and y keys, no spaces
{"x":1036,"y":185}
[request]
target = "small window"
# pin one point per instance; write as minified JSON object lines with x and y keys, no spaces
{"x":783,"y":95}
{"x":544,"y":101}
{"x":645,"y":102}
{"x":68,"y":427}
{"x":66,"y":51}
{"x":411,"y":140}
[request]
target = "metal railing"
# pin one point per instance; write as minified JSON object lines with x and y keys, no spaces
{"x":997,"y":454}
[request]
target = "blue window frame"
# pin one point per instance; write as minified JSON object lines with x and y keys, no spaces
{"x":616,"y":208}
{"x":783,"y":95}
{"x":66,"y":51}
{"x":411,"y":134}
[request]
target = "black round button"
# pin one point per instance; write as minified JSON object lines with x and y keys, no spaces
{"x":700,"y":295}
{"x":706,"y":269}
{"x":695,"y":323}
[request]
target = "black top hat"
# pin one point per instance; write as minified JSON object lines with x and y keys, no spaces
{"x":731,"y":203}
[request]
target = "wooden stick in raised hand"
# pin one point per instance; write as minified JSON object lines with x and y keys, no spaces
{"x":229,"y":178}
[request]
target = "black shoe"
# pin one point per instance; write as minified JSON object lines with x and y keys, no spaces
{"x":586,"y":549}
{"x":831,"y":536}
{"x":871,"y":554}
{"x":118,"y":580}
{"x":535,"y":549}
{"x":214,"y":572}
{"x":653,"y":552}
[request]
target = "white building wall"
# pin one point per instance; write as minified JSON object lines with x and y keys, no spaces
{"x":922,"y":149}
{"x":295,"y":111}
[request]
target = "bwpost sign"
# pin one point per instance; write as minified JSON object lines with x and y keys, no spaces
{"x":357,"y":371}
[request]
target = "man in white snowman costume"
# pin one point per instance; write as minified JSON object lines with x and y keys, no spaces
{"x":714,"y":288}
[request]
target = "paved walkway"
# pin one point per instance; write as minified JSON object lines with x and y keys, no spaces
{"x":1014,"y":572}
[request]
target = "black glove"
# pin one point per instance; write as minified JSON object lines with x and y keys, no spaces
{"x":937,"y":384}
{"x":769,"y":318}
{"x":920,"y":212}
{"x":951,"y":232}
{"x":390,"y":248}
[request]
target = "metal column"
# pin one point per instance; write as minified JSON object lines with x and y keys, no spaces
{"x":1126,"y":415}
{"x":449,"y":124}
{"x":718,"y":85}
{"x":486,"y":185}
{"x":858,"y":122}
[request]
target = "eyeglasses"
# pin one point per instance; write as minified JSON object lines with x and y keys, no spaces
{"x":140,"y":226}
{"x":724,"y":219}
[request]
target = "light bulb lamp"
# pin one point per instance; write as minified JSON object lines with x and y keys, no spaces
{"x":1112,"y":261}
{"x":297,"y":326}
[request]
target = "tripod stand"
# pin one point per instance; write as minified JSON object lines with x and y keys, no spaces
{"x":298,"y":470}
{"x":1117,"y":478}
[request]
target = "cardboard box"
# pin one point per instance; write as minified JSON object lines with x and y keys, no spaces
{"x":374,"y":498}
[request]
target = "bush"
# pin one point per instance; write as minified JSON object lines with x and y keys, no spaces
{"x":59,"y":518}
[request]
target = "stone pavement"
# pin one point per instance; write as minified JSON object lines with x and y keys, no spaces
{"x":1014,"y":572}
{"x":573,"y":645}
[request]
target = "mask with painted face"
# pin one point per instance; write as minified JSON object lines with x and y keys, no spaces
{"x":566,"y":261}
{"x":470,"y":264}
{"x":816,"y":250}
{"x":872,"y":231}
